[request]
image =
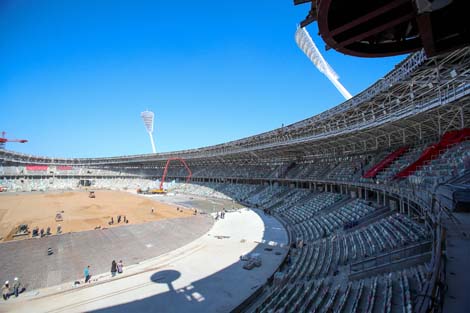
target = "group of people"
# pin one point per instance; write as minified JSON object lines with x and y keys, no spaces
{"x":116,"y":267}
{"x":16,"y":289}
{"x":119,"y":218}
{"x":42,"y":233}
{"x":267,"y":211}
{"x":221,"y":215}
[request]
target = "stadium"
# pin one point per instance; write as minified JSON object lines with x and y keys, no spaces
{"x":361,"y":208}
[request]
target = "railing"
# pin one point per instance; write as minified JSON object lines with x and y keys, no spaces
{"x":432,"y":295}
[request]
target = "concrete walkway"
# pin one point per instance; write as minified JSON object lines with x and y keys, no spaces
{"x":132,"y":244}
{"x":203,"y":276}
{"x":458,"y":258}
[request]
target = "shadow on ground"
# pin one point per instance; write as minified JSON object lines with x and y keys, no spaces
{"x":220,"y":292}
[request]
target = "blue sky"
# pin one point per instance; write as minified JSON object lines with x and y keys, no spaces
{"x":75,"y":75}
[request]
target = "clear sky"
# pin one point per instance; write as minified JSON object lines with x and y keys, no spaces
{"x":75,"y":75}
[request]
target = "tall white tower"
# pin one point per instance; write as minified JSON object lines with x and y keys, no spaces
{"x":148,"y":117}
{"x":306,"y":44}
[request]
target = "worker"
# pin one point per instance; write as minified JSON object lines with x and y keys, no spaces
{"x":17,"y":289}
{"x":86,"y":274}
{"x":6,"y":290}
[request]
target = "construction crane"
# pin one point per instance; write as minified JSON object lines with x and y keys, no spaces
{"x":4,"y":140}
{"x":160,"y":190}
{"x":165,"y":171}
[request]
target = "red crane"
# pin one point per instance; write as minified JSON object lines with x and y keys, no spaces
{"x":166,"y":170}
{"x":4,"y":140}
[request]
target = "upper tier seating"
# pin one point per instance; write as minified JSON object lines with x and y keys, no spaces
{"x":448,"y":139}
{"x":385,"y":162}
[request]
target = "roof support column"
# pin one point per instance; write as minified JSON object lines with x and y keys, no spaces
{"x":408,"y":205}
{"x":439,"y":125}
{"x":462,"y":118}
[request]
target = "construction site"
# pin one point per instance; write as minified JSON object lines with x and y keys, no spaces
{"x":75,"y":211}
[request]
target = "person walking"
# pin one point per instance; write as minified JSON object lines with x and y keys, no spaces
{"x":17,"y":287}
{"x":120,"y":267}
{"x":86,"y":273}
{"x":113,"y":268}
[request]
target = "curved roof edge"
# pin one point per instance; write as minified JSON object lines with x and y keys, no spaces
{"x":400,"y":73}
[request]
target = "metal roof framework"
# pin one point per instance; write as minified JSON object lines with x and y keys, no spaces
{"x":389,"y":27}
{"x":418,"y":100}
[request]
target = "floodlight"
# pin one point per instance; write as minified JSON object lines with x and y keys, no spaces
{"x":306,"y":44}
{"x":148,"y":117}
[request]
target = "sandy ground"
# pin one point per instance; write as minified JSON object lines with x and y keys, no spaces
{"x":80,"y":212}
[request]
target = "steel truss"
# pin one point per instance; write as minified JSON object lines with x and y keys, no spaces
{"x":418,"y":101}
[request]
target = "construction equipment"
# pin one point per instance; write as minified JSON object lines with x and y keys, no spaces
{"x":188,"y":178}
{"x":153,"y":191}
{"x":160,"y":190}
{"x":4,"y":140}
{"x":92,"y":195}
{"x":58,"y":217}
{"x":157,"y":191}
{"x":22,"y":230}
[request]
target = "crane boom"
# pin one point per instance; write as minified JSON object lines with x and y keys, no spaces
{"x":165,"y":171}
{"x":4,"y":140}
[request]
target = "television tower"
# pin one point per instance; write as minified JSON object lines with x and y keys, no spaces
{"x":148,"y":117}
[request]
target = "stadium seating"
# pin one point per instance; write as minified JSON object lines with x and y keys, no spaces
{"x":385,"y":162}
{"x":330,"y":231}
{"x":327,"y":248}
{"x":332,"y":238}
{"x":448,"y":139}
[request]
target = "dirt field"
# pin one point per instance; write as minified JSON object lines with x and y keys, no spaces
{"x":79,"y":211}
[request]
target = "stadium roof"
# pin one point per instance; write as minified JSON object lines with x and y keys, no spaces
{"x":390,"y":27}
{"x":421,"y":98}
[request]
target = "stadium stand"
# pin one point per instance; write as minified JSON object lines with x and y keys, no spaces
{"x":358,"y":188}
{"x":385,"y":162}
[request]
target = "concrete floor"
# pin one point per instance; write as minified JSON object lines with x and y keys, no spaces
{"x":205,"y":204}
{"x":206,"y":275}
{"x":28,"y":259}
{"x":458,"y":257}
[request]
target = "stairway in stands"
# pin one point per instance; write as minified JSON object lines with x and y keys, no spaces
{"x":448,"y":139}
{"x":385,"y":162}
